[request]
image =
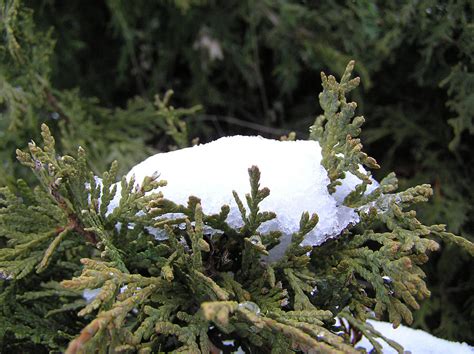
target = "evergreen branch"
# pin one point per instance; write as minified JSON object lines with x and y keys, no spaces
{"x":108,"y":190}
{"x":336,"y":130}
{"x":299,"y":338}
{"x":109,"y":249}
{"x":439,"y":230}
{"x":330,"y":341}
{"x":295,"y":252}
{"x":313,"y":316}
{"x":255,"y":218}
{"x":299,"y":287}
{"x":198,"y":244}
{"x":175,"y":127}
{"x":238,"y":291}
{"x":104,"y":319}
{"x":219,"y":292}
{"x":371,"y":334}
{"x":51,"y":248}
{"x":146,"y":328}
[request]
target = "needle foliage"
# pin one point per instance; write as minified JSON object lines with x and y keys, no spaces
{"x":197,"y":289}
{"x":143,"y":284}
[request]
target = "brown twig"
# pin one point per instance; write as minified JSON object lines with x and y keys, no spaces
{"x":74,"y":222}
{"x":242,"y":123}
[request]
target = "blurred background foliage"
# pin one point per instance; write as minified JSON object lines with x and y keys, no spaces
{"x":91,"y":70}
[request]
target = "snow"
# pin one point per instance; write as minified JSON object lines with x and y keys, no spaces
{"x":348,"y":185}
{"x":415,"y":341}
{"x":292,"y":171}
{"x":90,"y":294}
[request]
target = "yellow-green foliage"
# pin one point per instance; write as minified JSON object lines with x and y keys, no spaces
{"x":196,"y":289}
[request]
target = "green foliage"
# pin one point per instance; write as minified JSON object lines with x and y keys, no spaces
{"x":336,"y":130}
{"x":27,"y":99}
{"x":143,"y":282}
{"x":252,"y":65}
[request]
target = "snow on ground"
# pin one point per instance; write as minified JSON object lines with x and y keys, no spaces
{"x":415,"y":341}
{"x":292,"y":171}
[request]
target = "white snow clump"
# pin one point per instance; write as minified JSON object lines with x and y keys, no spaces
{"x":415,"y":341}
{"x":292,"y":171}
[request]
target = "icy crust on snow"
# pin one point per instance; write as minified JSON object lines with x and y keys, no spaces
{"x":415,"y":341}
{"x":292,"y":171}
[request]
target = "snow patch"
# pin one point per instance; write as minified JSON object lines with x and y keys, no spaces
{"x":349,"y":183}
{"x":90,"y":294}
{"x":413,"y":340}
{"x":292,"y":171}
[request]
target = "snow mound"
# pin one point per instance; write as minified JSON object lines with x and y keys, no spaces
{"x":415,"y":341}
{"x":292,"y":171}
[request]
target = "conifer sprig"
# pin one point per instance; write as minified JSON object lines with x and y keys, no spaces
{"x":337,"y":131}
